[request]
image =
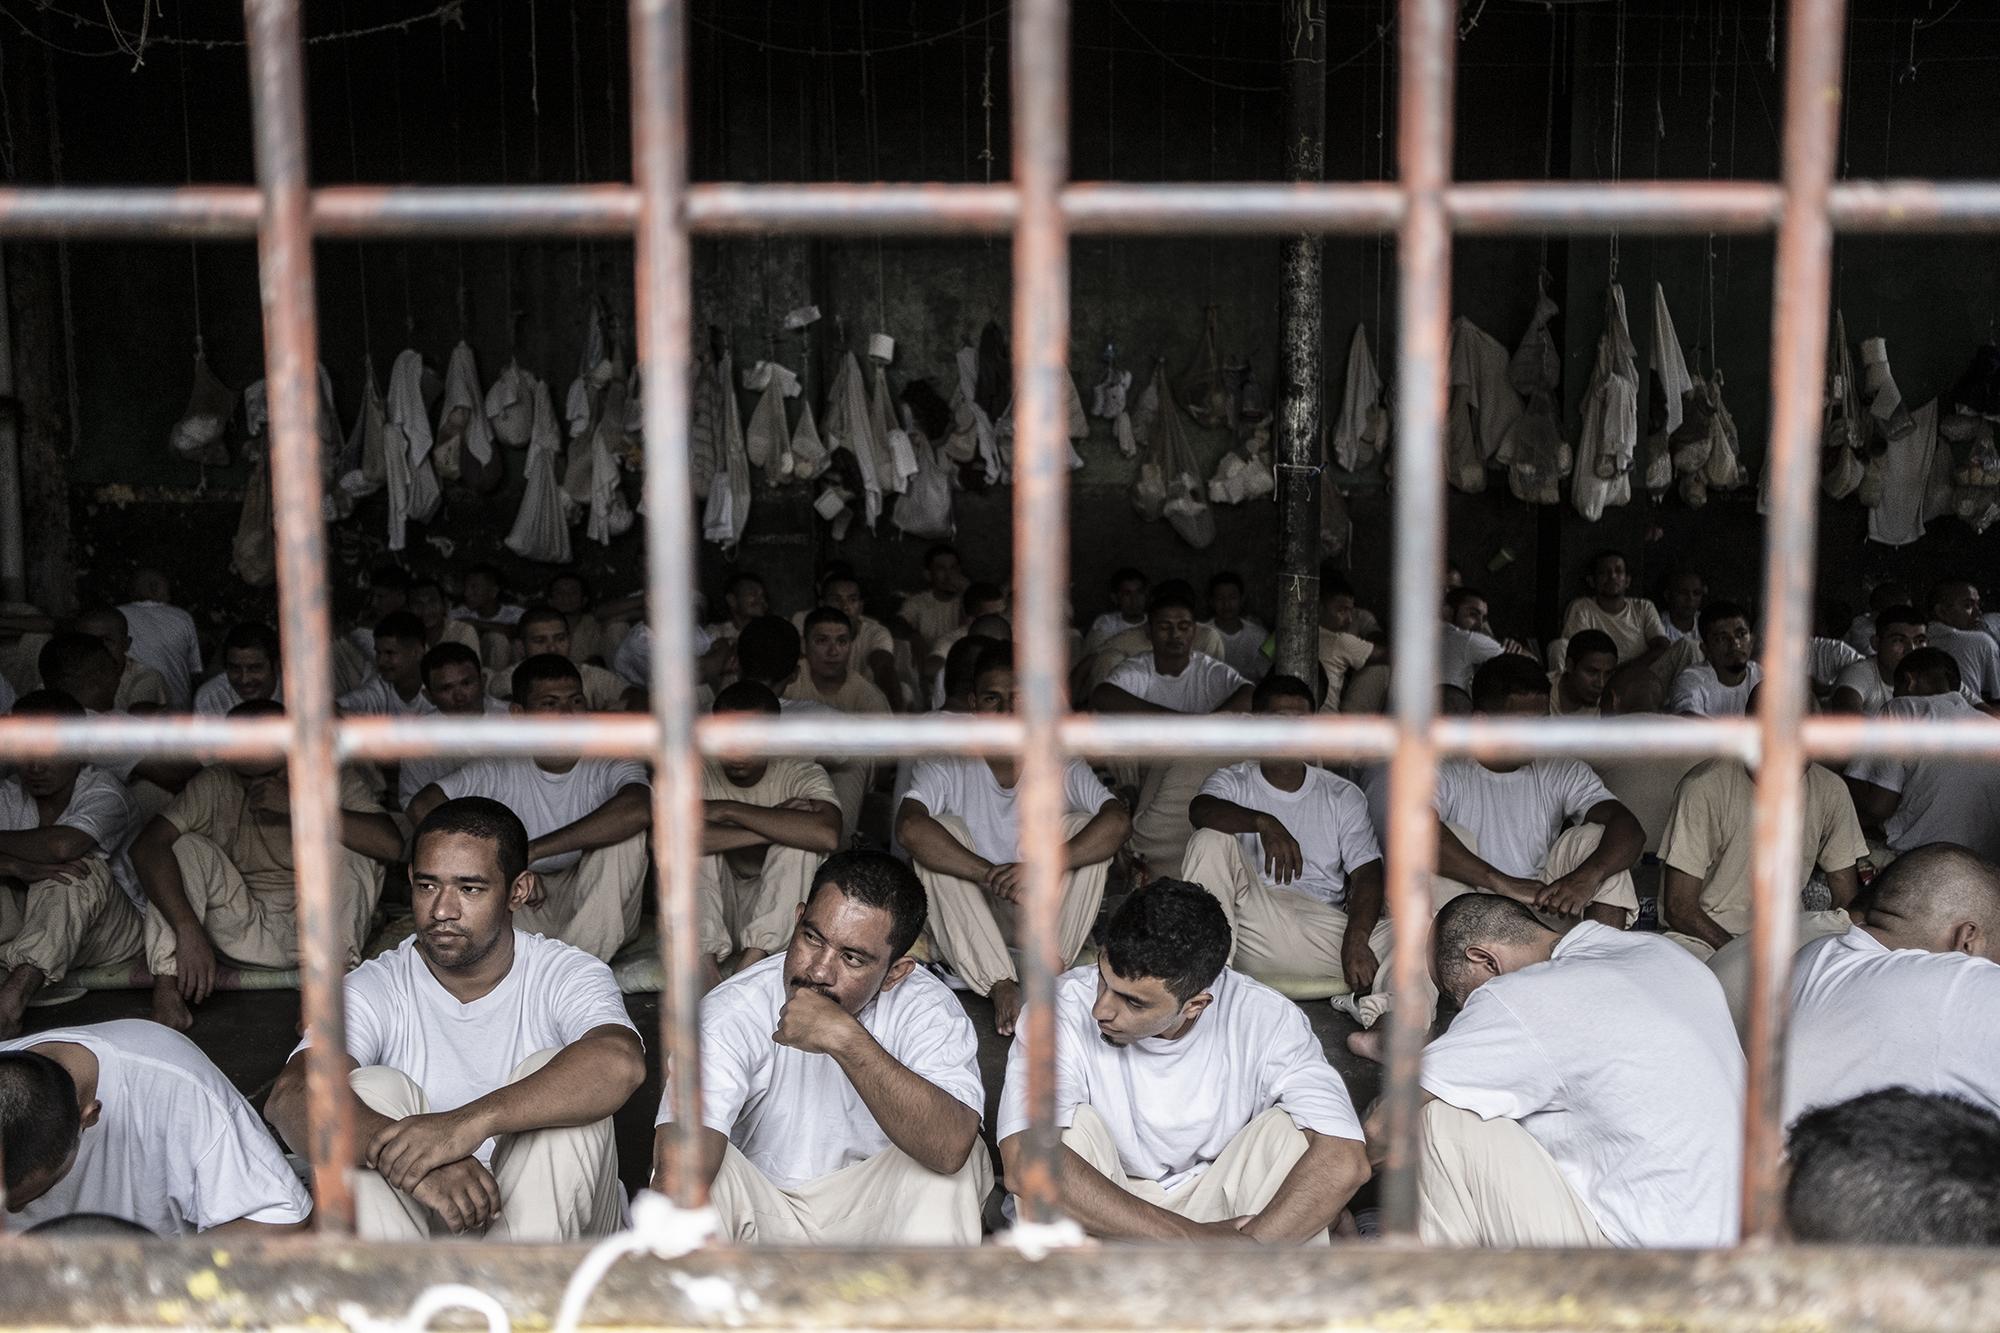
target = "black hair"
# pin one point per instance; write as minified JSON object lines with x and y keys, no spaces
{"x":539,"y":669}
{"x":938,"y":549}
{"x":541,"y":613}
{"x":40,"y":1121}
{"x":767,"y":649}
{"x":1126,"y":574}
{"x":68,"y":655}
{"x":402,"y":626}
{"x":1224,"y":578}
{"x":1174,"y":594}
{"x":827,"y":615}
{"x":480,"y":817}
{"x":1921,"y":662}
{"x":562,"y":574}
{"x":1172,"y":931}
{"x":978,"y":592}
{"x":878,"y":880}
{"x":1459,"y":596}
{"x":739,"y":578}
{"x":1332,"y":584}
{"x":1476,"y":919}
{"x":747,"y":696}
{"x":1714,"y":613}
{"x":1279,"y":686}
{"x":994,"y":657}
{"x":965,"y":661}
{"x":1499,"y":679}
{"x":258,"y":708}
{"x":447,"y":654}
{"x":1599,"y":556}
{"x":1587,"y":641}
{"x":1895,"y":1167}
{"x":94,"y":612}
{"x":248,"y":635}
{"x":1900,"y":614}
{"x":47,"y":702}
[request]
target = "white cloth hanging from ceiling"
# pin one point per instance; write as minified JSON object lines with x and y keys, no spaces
{"x":593,"y":372}
{"x":365,"y":457}
{"x":1609,"y":435}
{"x":462,"y":427}
{"x":809,"y":453}
{"x":897,"y":451}
{"x":972,"y":435}
{"x":510,"y":406}
{"x":541,"y":525}
{"x":1108,"y":399}
{"x":414,"y":494}
{"x":1907,"y":481}
{"x":705,"y":427}
{"x":1362,"y":427}
{"x":850,"y":427}
{"x":728,"y":506}
{"x":1670,"y":368}
{"x":1483,"y":406}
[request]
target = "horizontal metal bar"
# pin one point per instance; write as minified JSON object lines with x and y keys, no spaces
{"x":211,"y":212}
{"x":1915,"y":206}
{"x":601,"y":735}
{"x":1353,"y":207}
{"x":1899,"y":737}
{"x":1229,"y":736}
{"x":297,"y":1286}
{"x":1633,"y":737}
{"x":210,"y":739}
{"x":591,"y":209}
{"x":844,"y":209}
{"x":1501,"y":207}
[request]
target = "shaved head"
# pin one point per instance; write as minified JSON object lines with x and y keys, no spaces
{"x":1941,"y":898}
{"x":1479,"y":936}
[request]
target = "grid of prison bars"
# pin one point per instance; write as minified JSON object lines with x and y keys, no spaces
{"x":1041,"y":208}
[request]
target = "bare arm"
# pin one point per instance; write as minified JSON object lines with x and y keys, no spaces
{"x":1282,"y":857}
{"x":1313,"y":1193}
{"x":1364,"y":913}
{"x":1100,"y":839}
{"x":629,"y":811}
{"x":714,"y":1144}
{"x":1098,"y":1205}
{"x":1617,"y":850}
{"x":1455,"y":862}
{"x":882,"y":670}
{"x":285,"y":1108}
{"x":1846,"y":699}
{"x":160,"y":874}
{"x":933,"y":847}
{"x":421,"y":805}
{"x":1680,"y":909}
{"x":810,"y":825}
{"x":1376,"y":1127}
{"x":51,"y":846}
{"x":1874,"y":805}
{"x":1845,"y":886}
{"x":371,"y":834}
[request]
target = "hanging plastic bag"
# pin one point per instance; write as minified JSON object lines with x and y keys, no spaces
{"x":414,"y":493}
{"x":1609,"y":435}
{"x":925,"y":508}
{"x":1202,"y":386}
{"x":1725,"y":470}
{"x":253,"y":552}
{"x":200,"y":436}
{"x":1360,"y":431}
{"x":768,"y":438}
{"x":1538,"y":459}
{"x":510,"y":406}
{"x":541,"y":525}
{"x":809,"y":452}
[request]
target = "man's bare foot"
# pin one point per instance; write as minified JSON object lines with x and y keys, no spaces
{"x":1006,"y":997}
{"x":1367,"y":1045}
{"x":15,"y":992}
{"x":169,"y":1009}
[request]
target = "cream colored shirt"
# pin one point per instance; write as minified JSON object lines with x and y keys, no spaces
{"x":603,"y":691}
{"x":1340,"y":653}
{"x":1139,"y":639}
{"x":139,"y":685}
{"x":931,"y":616}
{"x":1713,"y":828}
{"x":216,"y":805}
{"x":1630,"y":630}
{"x":856,"y":694}
{"x":783,"y":780}
{"x":871,"y":636}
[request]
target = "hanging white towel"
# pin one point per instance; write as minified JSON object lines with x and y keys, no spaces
{"x":1357,"y":431}
{"x":413,"y":485}
{"x":541,"y":525}
{"x":462,"y":424}
{"x":591,"y":373}
{"x":895,"y":460}
{"x":848,"y":427}
{"x":365,"y":456}
{"x":1670,"y":368}
{"x":972,"y":434}
{"x":1602,"y":476}
{"x":728,"y":507}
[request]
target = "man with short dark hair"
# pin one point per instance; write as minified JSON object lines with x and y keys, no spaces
{"x":1467,"y":639}
{"x":1929,"y":798}
{"x":828,"y":677}
{"x":841,"y":1096}
{"x":1909,"y":995}
{"x":1589,"y":1092}
{"x":483,"y":608}
{"x":1589,"y":662}
{"x":744,"y":594}
{"x":249,"y":671}
{"x":1867,"y":686}
{"x":455,"y":684}
{"x":139,"y":686}
{"x":1196,"y":1104}
{"x":1632,"y":622}
{"x":486,"y":1061}
{"x":874,"y":652}
{"x":1892,"y":1168}
{"x":1957,"y":627}
{"x":80,"y":666}
{"x":1128,"y":610}
{"x":543,"y":630}
{"x":1719,"y":686}
{"x":935,"y":611}
{"x":1342,"y":649}
{"x":397,"y":687}
{"x":132,"y":1121}
{"x":959,"y":824}
{"x":163,"y":635}
{"x":1173,"y":677}
{"x":768,"y":651}
{"x":586,"y":818}
{"x":1243,"y":637}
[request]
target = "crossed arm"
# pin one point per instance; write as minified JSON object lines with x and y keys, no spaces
{"x":1568,"y":895}
{"x":935,"y":848}
{"x":809,"y":824}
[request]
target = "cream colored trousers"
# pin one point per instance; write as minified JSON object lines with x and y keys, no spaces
{"x":261,"y":928}
{"x":1566,"y":853}
{"x":555,"y":1184}
{"x":57,"y":924}
{"x":972,"y":929}
{"x":887,"y":1199}
{"x":754,"y":911}
{"x":594,"y":904}
{"x":1488,"y":1183}
{"x":1160,"y":824}
{"x":1239,"y":1183}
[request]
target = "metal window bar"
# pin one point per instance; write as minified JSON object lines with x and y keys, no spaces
{"x":1041,"y":209}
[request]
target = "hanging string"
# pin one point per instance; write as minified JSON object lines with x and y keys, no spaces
{"x":122,"y":45}
{"x":871,"y":108}
{"x":457,"y":167}
{"x":579,"y":145}
{"x":62,"y":271}
{"x":187,"y":171}
{"x":506,"y":244}
{"x":1618,"y":123}
{"x":1381,"y":153}
{"x":354,"y":173}
{"x":1549,"y":135}
{"x":986,"y":104}
{"x":1708,"y":251}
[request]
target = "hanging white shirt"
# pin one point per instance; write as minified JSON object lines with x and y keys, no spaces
{"x":1943,"y":799}
{"x":164,"y":638}
{"x":376,"y":696}
{"x":966,"y":787}
{"x":217,"y":696}
{"x":1173,"y":1106}
{"x":1204,"y":684}
{"x":1699,"y":692}
{"x":546,"y":801}
{"x":1461,"y":652}
{"x":1327,"y":816}
{"x":400,"y":1016}
{"x":175,"y":1147}
{"x":1866,"y":1017}
{"x":1619,"y":1056}
{"x":795,"y":1115}
{"x":1516,"y":817}
{"x":1977,"y":655}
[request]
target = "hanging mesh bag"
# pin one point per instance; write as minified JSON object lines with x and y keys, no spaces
{"x":200,"y":434}
{"x":1204,"y":385}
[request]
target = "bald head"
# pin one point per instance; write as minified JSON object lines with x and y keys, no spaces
{"x":1941,"y":898}
{"x":1479,"y":936}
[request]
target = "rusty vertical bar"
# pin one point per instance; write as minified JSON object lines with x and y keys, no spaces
{"x":1427,"y":42}
{"x":1040,"y":73}
{"x":1798,"y":336}
{"x":664,"y":294}
{"x":291,"y":360}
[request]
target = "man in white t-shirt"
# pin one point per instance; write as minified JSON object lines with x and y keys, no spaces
{"x":1342,"y":649}
{"x":1195,"y":1103}
{"x":543,"y":629}
{"x":1680,"y":612}
{"x":1910,"y":995}
{"x":1589,"y":1092}
{"x":586,"y":818}
{"x":217,"y":872}
{"x":397,"y":687}
{"x":1721,"y":685}
{"x":455,"y":685}
{"x":483,"y":608}
{"x":938,"y":609}
{"x":1926,"y":799}
{"x":1286,"y":848}
{"x":1128,"y":610}
{"x":1957,"y":627}
{"x":767,"y":824}
{"x":163,"y":636}
{"x":1173,"y":677}
{"x":1467,"y":640}
{"x":486,"y":1061}
{"x":1632,"y":622}
{"x":130,"y":1120}
{"x":960,"y":828}
{"x":1547,"y":833}
{"x":841,"y":1096}
{"x":249,"y":671}
{"x":1867,"y":686}
{"x":874,"y":653}
{"x":60,"y":823}
{"x":1243,"y":637}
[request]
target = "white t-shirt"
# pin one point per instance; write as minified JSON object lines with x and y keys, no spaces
{"x":377,"y":696}
{"x":966,"y":787}
{"x":1173,"y":1106}
{"x":1860,"y":634}
{"x":1619,"y":1056}
{"x":1203,"y":686}
{"x":400,"y":1016}
{"x":175,"y":1148}
{"x":1327,"y":815}
{"x":1977,"y":655}
{"x":1699,"y":692}
{"x":1108,"y":627}
{"x":1514,"y":818}
{"x":217,"y":696}
{"x":1631,"y":629}
{"x":1827,"y":658}
{"x":1943,"y":799}
{"x":634,"y":659}
{"x":1866,"y":1017}
{"x":795,"y":1115}
{"x":1244,"y":650}
{"x":1461,"y":652}
{"x":164,"y":638}
{"x":502,"y":614}
{"x":546,"y":801}
{"x":1865,"y":679}
{"x":99,"y":806}
{"x":418,"y":772}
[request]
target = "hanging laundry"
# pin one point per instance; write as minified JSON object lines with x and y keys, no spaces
{"x":253,"y":552}
{"x":767,"y":441}
{"x":1843,"y":429}
{"x":1169,"y":483}
{"x":464,"y":449}
{"x":704,"y":426}
{"x":1885,"y":400}
{"x":1609,"y":433}
{"x":1483,"y":405}
{"x":887,"y":428}
{"x":414,"y":494}
{"x":1668,"y":382}
{"x":364,"y":460}
{"x":728,"y":506}
{"x":1245,"y":472}
{"x":1361,"y":432}
{"x":809,"y":452}
{"x":1536,"y":455}
{"x":1108,"y":399}
{"x":925,"y":508}
{"x":850,"y":426}
{"x":334,"y":503}
{"x":200,"y":434}
{"x":510,"y":406}
{"x":1202,"y":387}
{"x":593,"y":372}
{"x":971,"y":435}
{"x":1905,"y":477}
{"x":541,"y":525}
